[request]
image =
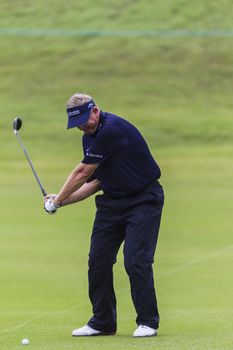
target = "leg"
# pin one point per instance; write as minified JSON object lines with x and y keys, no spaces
{"x":106,"y":239}
{"x":139,"y":249}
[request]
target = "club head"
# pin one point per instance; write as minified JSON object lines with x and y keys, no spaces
{"x":17,"y":123}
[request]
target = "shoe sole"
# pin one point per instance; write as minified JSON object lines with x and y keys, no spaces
{"x":95,"y":335}
{"x":145,"y":336}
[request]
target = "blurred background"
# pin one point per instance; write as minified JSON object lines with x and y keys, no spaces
{"x":166,"y":66}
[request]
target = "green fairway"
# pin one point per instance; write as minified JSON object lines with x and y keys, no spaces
{"x":178,"y":92}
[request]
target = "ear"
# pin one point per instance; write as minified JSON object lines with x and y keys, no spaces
{"x":96,"y":111}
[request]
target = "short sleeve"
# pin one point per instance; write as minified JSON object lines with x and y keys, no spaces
{"x":107,"y":142}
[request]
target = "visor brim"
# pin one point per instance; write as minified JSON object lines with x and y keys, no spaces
{"x":79,"y":120}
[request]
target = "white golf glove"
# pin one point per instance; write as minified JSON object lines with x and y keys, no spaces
{"x":50,"y":207}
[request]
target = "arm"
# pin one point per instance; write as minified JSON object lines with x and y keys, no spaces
{"x":75,"y":180}
{"x":83,"y":192}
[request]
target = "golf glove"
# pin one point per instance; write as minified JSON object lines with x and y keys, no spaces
{"x":50,"y":207}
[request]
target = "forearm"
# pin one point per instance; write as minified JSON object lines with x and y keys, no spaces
{"x":83,"y":192}
{"x":76,"y":179}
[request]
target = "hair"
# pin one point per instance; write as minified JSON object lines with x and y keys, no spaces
{"x":78,"y":100}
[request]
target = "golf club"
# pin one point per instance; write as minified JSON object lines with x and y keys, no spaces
{"x":17,"y":123}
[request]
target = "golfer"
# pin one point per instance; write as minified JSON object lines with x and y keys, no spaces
{"x":118,"y":162}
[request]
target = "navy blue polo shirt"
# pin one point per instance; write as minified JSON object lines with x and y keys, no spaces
{"x":126,"y":165}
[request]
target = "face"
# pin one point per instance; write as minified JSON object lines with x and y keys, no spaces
{"x":92,"y":124}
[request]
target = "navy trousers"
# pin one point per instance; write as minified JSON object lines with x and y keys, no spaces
{"x":134,"y":220}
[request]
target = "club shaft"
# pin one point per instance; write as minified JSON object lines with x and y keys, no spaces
{"x":31,"y":165}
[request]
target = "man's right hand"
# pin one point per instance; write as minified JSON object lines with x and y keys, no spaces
{"x":49,"y":196}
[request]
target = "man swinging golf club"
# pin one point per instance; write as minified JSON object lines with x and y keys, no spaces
{"x":117,"y":161}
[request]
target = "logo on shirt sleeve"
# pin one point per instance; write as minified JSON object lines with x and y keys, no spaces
{"x":90,"y":154}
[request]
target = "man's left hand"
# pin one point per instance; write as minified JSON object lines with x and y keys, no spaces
{"x":50,"y":207}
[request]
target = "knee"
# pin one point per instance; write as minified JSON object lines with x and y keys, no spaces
{"x":137,"y":264}
{"x":100,"y":262}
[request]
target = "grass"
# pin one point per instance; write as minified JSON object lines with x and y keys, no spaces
{"x":105,"y":14}
{"x":43,"y":264}
{"x":178,"y":92}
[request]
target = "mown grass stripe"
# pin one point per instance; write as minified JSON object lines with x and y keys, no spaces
{"x":115,"y":33}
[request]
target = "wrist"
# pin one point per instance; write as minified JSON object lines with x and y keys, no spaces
{"x":57,"y":204}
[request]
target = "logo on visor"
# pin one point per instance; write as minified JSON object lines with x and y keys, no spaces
{"x":74,"y":113}
{"x":90,"y":105}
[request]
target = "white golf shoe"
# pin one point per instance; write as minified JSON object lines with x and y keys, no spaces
{"x":87,"y":331}
{"x":144,"y":331}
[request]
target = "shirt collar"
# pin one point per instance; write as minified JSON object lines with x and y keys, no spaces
{"x":101,"y":122}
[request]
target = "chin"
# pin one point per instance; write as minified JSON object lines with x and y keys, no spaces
{"x":89,"y":132}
